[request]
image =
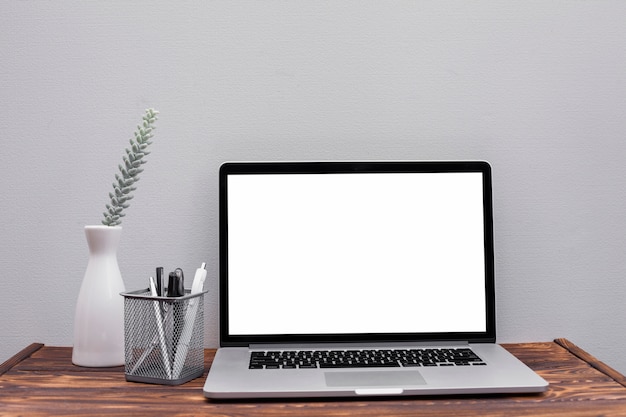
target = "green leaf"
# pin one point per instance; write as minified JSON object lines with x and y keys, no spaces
{"x":129,"y":169}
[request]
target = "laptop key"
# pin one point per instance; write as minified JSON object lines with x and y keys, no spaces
{"x":360,"y":365}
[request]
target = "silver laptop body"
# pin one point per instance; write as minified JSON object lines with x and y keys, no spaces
{"x":359,"y":279}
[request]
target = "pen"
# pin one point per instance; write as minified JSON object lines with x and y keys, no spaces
{"x":160,"y":282}
{"x":176,"y":284}
{"x":198,"y":280}
{"x":176,"y":288}
{"x":190,"y":319}
{"x":160,"y":331}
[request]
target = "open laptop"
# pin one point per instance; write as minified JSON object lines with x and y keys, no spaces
{"x":359,"y":279}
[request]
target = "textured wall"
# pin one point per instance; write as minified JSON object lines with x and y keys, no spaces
{"x":538,"y":88}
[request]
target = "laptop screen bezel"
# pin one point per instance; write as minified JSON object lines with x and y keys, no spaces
{"x":249,"y":168}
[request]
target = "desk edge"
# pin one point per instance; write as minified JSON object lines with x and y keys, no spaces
{"x":592,"y":361}
{"x":19,"y":357}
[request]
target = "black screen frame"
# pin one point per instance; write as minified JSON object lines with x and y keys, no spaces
{"x":332,"y":167}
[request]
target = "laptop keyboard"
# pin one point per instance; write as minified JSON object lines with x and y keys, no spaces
{"x":373,"y":358}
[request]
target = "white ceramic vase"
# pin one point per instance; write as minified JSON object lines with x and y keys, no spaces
{"x":99,"y":316}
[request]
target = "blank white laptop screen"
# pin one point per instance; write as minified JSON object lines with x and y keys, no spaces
{"x":356,"y":253}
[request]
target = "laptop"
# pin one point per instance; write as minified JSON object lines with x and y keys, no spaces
{"x":348,"y":279}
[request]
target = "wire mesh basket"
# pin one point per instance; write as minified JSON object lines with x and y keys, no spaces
{"x":163,"y":337}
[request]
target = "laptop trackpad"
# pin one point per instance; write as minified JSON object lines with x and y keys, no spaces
{"x":373,"y":378}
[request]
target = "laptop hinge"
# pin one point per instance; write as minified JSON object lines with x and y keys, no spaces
{"x":343,"y":345}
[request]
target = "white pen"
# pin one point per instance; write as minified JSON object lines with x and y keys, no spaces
{"x":198,"y":280}
{"x":190,"y":318}
{"x":159,"y":322}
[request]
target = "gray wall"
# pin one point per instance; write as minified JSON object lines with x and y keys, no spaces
{"x":538,"y":88}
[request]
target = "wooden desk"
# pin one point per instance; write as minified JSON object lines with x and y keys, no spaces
{"x":41,"y":380}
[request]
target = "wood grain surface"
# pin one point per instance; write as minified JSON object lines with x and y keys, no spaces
{"x":41,"y":380}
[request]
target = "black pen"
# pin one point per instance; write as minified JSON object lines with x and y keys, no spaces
{"x":160,"y":282}
{"x":176,"y":284}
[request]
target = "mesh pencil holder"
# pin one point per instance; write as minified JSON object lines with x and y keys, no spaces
{"x":163,"y":337}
